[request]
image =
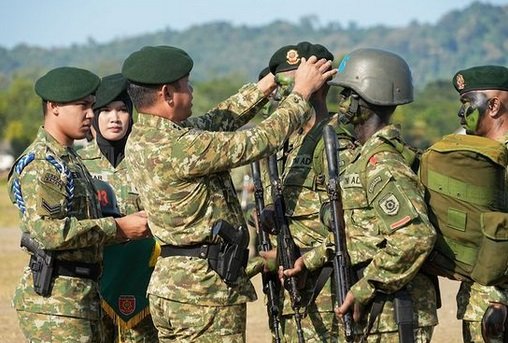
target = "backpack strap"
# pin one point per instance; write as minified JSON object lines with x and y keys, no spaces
{"x":59,"y":166}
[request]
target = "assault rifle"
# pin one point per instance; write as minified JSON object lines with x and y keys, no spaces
{"x":287,"y":251}
{"x":270,"y":282}
{"x":341,"y":262}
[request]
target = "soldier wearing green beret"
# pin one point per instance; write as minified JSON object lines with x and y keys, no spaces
{"x":58,"y":299}
{"x":180,"y":166}
{"x":127,"y":266}
{"x":304,"y":190}
{"x":484,"y":112}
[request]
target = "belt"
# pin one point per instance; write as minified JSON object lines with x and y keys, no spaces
{"x":82,"y":270}
{"x":202,"y":250}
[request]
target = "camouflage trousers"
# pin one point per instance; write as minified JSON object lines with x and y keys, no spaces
{"x":42,"y":328}
{"x":472,"y":302}
{"x":316,"y":327}
{"x":143,"y":332}
{"x":179,"y":322}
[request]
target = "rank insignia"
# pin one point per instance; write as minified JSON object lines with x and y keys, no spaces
{"x":390,"y":204}
{"x":52,"y":210}
{"x":292,"y":57}
{"x":459,"y":80}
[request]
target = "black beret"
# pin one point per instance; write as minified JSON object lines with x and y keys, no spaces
{"x":289,"y":56}
{"x":481,"y":78}
{"x":66,"y":84}
{"x":157,"y":65}
{"x":111,"y":87}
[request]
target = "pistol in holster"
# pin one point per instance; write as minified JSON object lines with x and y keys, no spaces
{"x":231,"y":257}
{"x":41,"y":264}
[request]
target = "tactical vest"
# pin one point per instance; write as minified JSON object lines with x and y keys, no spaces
{"x":465,"y":189}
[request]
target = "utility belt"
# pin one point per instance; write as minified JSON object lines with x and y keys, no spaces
{"x":81,"y":270}
{"x":227,"y":258}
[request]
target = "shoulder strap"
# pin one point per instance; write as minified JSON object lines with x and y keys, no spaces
{"x":60,"y":167}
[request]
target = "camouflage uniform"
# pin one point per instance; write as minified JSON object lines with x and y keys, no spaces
{"x":473,"y":300}
{"x":128,"y":203}
{"x":388,"y":233}
{"x":72,"y":312}
{"x":182,"y":174}
{"x":304,"y":190}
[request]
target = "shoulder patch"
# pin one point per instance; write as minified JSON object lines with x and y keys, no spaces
{"x":389,"y":204}
{"x":374,"y":183}
{"x":351,"y":180}
{"x":52,"y":210}
{"x":53,"y":179}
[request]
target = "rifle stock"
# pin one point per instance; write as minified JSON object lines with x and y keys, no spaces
{"x":270,"y":282}
{"x":287,"y":251}
{"x":341,"y":263}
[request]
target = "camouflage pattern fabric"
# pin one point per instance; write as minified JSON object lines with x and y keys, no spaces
{"x":76,"y":234}
{"x":182,"y":174}
{"x":207,"y":324}
{"x":59,"y":329}
{"x":304,"y":190}
{"x":139,"y":326}
{"x":388,"y":231}
{"x":473,"y":299}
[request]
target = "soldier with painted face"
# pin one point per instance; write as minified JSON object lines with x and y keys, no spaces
{"x":127,"y":266}
{"x":388,"y":232}
{"x":484,"y":95}
{"x":58,"y":299}
{"x":304,"y":189}
{"x":180,"y":166}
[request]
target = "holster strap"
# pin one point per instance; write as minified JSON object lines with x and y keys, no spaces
{"x":202,"y":250}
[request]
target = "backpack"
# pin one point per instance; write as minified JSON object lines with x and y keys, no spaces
{"x":465,"y":189}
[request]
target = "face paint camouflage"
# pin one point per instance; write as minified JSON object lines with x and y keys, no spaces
{"x":285,"y":86}
{"x":473,"y":107}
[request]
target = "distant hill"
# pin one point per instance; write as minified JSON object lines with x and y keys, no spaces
{"x":476,"y":35}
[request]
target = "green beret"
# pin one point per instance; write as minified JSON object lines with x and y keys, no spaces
{"x":481,"y":78}
{"x":111,"y":87}
{"x":263,"y":73}
{"x":289,"y":56}
{"x":66,"y":84}
{"x":157,"y":65}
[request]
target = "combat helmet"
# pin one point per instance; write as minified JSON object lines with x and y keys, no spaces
{"x":377,"y":76}
{"x":107,"y":199}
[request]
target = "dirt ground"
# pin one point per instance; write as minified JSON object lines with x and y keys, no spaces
{"x":13,"y":260}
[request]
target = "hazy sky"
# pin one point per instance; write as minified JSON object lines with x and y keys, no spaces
{"x":59,"y":23}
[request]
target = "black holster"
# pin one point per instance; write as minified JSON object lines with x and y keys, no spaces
{"x":41,"y":264}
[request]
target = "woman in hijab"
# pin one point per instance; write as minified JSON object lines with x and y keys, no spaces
{"x":127,"y":266}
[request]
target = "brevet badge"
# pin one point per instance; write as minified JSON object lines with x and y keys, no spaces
{"x":459,"y":80}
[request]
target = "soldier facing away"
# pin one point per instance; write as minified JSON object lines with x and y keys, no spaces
{"x":57,"y":299}
{"x":180,"y":166}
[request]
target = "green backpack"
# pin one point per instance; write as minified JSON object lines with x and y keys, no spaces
{"x":465,"y":189}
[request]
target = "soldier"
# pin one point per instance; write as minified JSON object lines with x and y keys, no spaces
{"x":388,"y":231}
{"x":484,"y":94}
{"x":180,"y":166}
{"x":127,"y":266}
{"x":58,"y":297}
{"x":304,"y":190}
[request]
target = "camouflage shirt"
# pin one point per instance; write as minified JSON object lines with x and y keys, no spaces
{"x":387,"y":229}
{"x":100,"y":168}
{"x":304,"y":189}
{"x":181,"y":171}
{"x":75,"y":232}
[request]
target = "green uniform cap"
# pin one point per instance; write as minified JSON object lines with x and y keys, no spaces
{"x":157,"y":65}
{"x":481,"y":78}
{"x":111,"y":87}
{"x":289,"y":56}
{"x":66,"y":84}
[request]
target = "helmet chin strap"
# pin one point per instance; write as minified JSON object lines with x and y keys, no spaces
{"x":352,"y":110}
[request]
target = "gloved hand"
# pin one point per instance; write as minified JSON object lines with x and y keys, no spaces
{"x":325,"y":215}
{"x":267,"y":218}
